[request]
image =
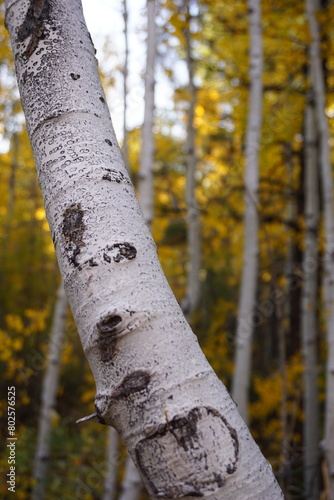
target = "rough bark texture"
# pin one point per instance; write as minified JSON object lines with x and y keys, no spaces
{"x":153,"y":382}
{"x":145,"y":180}
{"x":191,"y":299}
{"x":318,"y":84}
{"x":242,"y":373}
{"x":49,"y":392}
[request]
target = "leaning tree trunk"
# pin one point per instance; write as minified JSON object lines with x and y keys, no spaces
{"x":49,"y":392}
{"x":318,"y":85}
{"x":153,"y":383}
{"x":242,"y":370}
{"x":193,"y":222}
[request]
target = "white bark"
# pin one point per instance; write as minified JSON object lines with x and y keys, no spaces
{"x":49,"y":393}
{"x":153,"y":383}
{"x":242,"y":370}
{"x":191,"y":299}
{"x":132,"y":484}
{"x":125,"y":148}
{"x":318,"y":85}
{"x":109,"y":488}
{"x":112,"y":443}
{"x":309,"y":317}
{"x":145,"y":178}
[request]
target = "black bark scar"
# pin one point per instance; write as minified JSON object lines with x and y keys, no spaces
{"x":134,"y":382}
{"x":33,"y":25}
{"x":107,"y":329}
{"x":73,"y":229}
{"x":184,"y":434}
{"x":126,"y":251}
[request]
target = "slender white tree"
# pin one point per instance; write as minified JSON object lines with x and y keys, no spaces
{"x":112,"y":441}
{"x":244,"y":334}
{"x":109,"y":488}
{"x":12,"y":179}
{"x":132,"y":484}
{"x":318,"y":85}
{"x":191,"y":299}
{"x":125,"y":146}
{"x":49,"y":393}
{"x":153,"y":382}
{"x":145,"y":180}
{"x":309,"y":300}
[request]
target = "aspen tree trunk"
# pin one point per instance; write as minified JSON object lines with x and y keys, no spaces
{"x":109,"y":489}
{"x":284,"y":455}
{"x":242,"y":370}
{"x":112,"y":443}
{"x":309,"y":317}
{"x":283,"y":326}
{"x":145,"y":181}
{"x":49,"y":393}
{"x":193,"y":223}
{"x":153,"y":383}
{"x":318,"y":85}
{"x":132,"y":483}
{"x":12,"y":179}
{"x":125,"y":148}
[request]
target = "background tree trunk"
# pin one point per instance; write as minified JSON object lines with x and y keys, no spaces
{"x":153,"y":383}
{"x":243,"y":345}
{"x":145,"y":180}
{"x":132,"y":484}
{"x":125,"y":146}
{"x":12,"y":179}
{"x":318,"y":85}
{"x":191,"y":299}
{"x":50,"y":386}
{"x":112,"y":442}
{"x":109,"y":489}
{"x":309,"y":315}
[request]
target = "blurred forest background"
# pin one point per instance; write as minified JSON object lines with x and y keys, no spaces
{"x":210,"y":41}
